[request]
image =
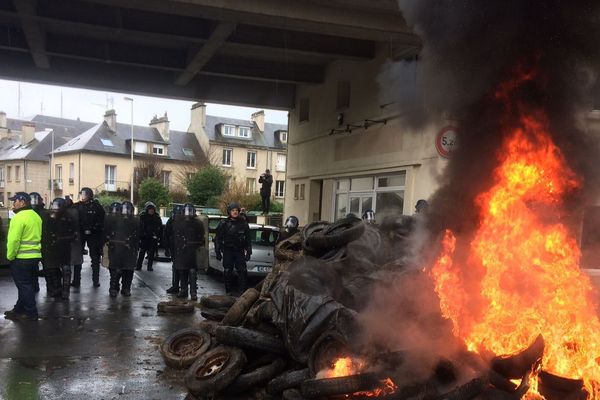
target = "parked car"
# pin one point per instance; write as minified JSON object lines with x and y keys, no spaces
{"x":264,"y":238}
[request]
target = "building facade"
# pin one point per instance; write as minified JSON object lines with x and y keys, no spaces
{"x":244,"y":149}
{"x":349,"y":150}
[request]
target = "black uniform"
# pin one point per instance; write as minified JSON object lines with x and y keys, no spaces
{"x":266,"y":180}
{"x":91,"y":224}
{"x":188,"y":236}
{"x":122,"y":238}
{"x":286,"y":233}
{"x":233,"y":243}
{"x":39,"y":209}
{"x":169,"y":242}
{"x":151,"y":230}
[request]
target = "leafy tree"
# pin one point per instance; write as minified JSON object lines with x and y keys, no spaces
{"x":106,"y":199}
{"x":206,"y":185}
{"x":151,"y":189}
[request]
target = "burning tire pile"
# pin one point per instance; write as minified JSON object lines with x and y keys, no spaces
{"x":298,"y":334}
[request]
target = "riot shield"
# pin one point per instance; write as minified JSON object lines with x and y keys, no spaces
{"x":59,"y":231}
{"x":123,"y":241}
{"x":188,"y":235}
{"x":76,"y":253}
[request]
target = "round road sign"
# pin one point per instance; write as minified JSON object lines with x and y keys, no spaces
{"x":446,"y":141}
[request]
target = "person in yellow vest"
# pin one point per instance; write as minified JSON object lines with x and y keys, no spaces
{"x":23,"y":250}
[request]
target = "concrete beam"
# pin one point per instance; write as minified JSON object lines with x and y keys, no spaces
{"x":203,"y":56}
{"x":287,"y":14}
{"x":36,"y":37}
{"x":137,"y":80}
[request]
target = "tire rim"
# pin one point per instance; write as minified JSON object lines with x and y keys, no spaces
{"x":212,"y":366}
{"x":186,"y":345}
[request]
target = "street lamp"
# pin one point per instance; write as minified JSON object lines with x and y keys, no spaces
{"x":131,"y":189}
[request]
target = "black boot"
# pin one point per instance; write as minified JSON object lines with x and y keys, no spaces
{"x":53,"y":281}
{"x":127,"y":279}
{"x":228,"y":280}
{"x":242,"y":279}
{"x":140,"y":260}
{"x":114,"y":282}
{"x":184,"y":276}
{"x":66,"y":279}
{"x":174,"y":289}
{"x":193,"y":284}
{"x":76,"y":276}
{"x":96,"y":275}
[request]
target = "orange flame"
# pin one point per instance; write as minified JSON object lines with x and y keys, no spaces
{"x":346,"y":366}
{"x":520,"y":277}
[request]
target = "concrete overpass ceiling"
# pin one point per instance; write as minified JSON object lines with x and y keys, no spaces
{"x":211,"y":50}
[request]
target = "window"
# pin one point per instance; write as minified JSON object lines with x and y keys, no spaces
{"x":17,"y":173}
{"x":158,"y":149}
{"x":110,"y":174}
{"x":281,"y":159}
{"x":228,"y":182}
{"x":244,"y":132}
{"x":296,"y":191}
{"x":227,"y":154}
{"x":71,"y":173}
{"x":1,"y":174}
{"x":343,"y":95}
{"x":251,"y":159}
{"x":107,"y":142}
{"x":166,"y":178}
{"x":279,"y":188}
{"x":303,"y":110}
{"x":140,"y":147}
{"x":228,"y":130}
{"x":188,"y":152}
{"x":301,"y":191}
{"x":58,"y":176}
{"x":283,"y":136}
{"x":250,"y":185}
{"x":9,"y":173}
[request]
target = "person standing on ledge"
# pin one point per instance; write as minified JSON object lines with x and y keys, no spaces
{"x":265,"y":190}
{"x":24,"y":251}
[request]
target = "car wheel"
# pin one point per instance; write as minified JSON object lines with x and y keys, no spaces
{"x":249,"y":339}
{"x":236,"y":314}
{"x":261,"y":373}
{"x":316,"y":388}
{"x":213,"y":314}
{"x":287,"y":380}
{"x":325,"y":350}
{"x":218,"y":301}
{"x":337,"y":234}
{"x":175,"y":307}
{"x":183,"y":347}
{"x":214,"y":371}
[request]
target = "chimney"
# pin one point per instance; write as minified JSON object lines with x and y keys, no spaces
{"x":111,"y":119}
{"x":27,"y":132}
{"x":162,"y":125}
{"x":198,"y":118}
{"x":259,"y":118}
{"x":3,"y":120}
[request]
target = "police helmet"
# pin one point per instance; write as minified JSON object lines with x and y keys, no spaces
{"x":177,"y":210}
{"x":36,"y":199}
{"x":149,"y":205}
{"x":292,"y":222}
{"x":115,"y":208}
{"x":58,"y":203}
{"x":127,"y":208}
{"x":86,"y":194}
{"x":421,"y":206}
{"x":369,"y":217}
{"x":233,"y":206}
{"x":189,"y":209}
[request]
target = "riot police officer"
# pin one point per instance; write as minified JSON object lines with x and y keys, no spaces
{"x":169,"y":243}
{"x":37,"y":204}
{"x":123,"y":240}
{"x":91,"y":223}
{"x":290,"y":228}
{"x":151,"y":230}
{"x":369,"y":217}
{"x":188,"y":234}
{"x":421,"y":206}
{"x":60,"y":229}
{"x":233,"y":246}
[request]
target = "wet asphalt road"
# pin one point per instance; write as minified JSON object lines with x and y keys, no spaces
{"x":94,"y":347}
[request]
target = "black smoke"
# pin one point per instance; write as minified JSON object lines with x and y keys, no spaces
{"x":469,"y":48}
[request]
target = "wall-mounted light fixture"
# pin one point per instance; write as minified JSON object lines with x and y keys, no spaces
{"x":365,"y":125}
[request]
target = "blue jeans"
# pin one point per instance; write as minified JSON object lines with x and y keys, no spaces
{"x":22,"y":273}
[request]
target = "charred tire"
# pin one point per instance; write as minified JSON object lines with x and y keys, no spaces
{"x":218,"y":301}
{"x":249,"y":339}
{"x":325,"y":350}
{"x":516,"y":365}
{"x":175,"y":307}
{"x":214,"y":371}
{"x":183,"y":347}
{"x":258,"y":376}
{"x":208,"y":326}
{"x":287,"y":380}
{"x":560,"y":383}
{"x":337,"y":234}
{"x":312,"y":229}
{"x":292,"y":394}
{"x":315,"y":388}
{"x":236,"y":314}
{"x":213,"y":314}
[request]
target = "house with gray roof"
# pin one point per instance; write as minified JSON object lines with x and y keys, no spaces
{"x":244,"y":149}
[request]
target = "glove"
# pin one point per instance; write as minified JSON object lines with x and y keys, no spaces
{"x":219,"y":256}
{"x":248,"y":256}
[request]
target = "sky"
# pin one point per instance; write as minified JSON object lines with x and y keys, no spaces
{"x":90,"y":105}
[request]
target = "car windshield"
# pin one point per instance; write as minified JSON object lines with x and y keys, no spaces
{"x":263,"y":237}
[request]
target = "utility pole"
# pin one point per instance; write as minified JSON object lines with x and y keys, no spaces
{"x":131,"y":146}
